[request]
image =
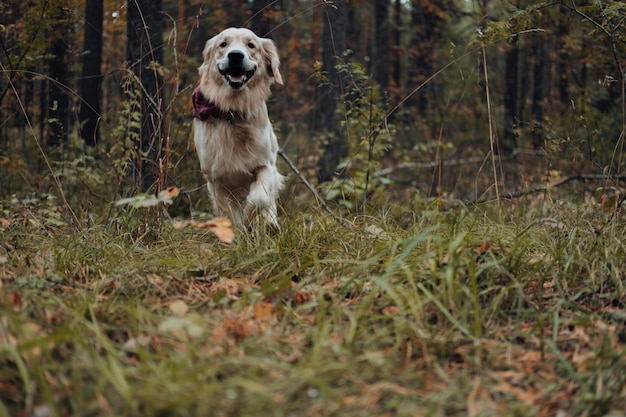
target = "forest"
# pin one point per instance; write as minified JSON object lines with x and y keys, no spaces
{"x":451,"y":238}
{"x":451,"y":99}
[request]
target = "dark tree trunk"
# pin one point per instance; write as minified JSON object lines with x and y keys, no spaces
{"x":398,"y":82}
{"x":58,"y":95}
{"x":564,"y":63}
{"x":144,"y":54}
{"x":423,"y":43}
{"x":511,"y":95}
{"x":380,"y":45}
{"x":333,"y":45}
{"x":259,"y":23}
{"x":235,"y":13}
{"x":538,"y":93}
{"x":91,"y":79}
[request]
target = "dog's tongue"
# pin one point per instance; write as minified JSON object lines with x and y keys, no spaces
{"x":237,"y":78}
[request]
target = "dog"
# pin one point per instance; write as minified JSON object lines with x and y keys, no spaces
{"x":234,"y":139}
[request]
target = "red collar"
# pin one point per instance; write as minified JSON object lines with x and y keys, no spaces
{"x":204,"y":108}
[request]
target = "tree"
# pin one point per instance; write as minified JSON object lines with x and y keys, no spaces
{"x":333,"y":45}
{"x":511,"y":97}
{"x":58,"y":102}
{"x":380,"y":44}
{"x":91,"y":78}
{"x":144,"y":54}
{"x":259,"y":22}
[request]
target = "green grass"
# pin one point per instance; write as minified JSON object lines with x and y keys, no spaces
{"x":470,"y":312}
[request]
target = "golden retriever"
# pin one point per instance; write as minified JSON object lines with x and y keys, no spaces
{"x":234,"y":139}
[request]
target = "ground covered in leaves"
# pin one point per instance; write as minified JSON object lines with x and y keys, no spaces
{"x":484,"y":311}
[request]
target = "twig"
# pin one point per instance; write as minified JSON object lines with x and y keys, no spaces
{"x":311,"y":188}
{"x":454,"y":162}
{"x":546,"y":187}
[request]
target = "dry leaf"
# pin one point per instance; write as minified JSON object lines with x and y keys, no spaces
{"x":221,"y":226}
{"x":486,"y":245}
{"x":391,"y":310}
{"x":302,"y":296}
{"x":169,"y":194}
{"x":263,"y":311}
{"x":179,"y":308}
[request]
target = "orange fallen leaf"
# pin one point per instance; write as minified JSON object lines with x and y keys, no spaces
{"x":390,"y":310}
{"x":6,"y":222}
{"x":263,"y":311}
{"x":302,"y":296}
{"x":486,"y":245}
{"x":221,"y":226}
{"x":169,"y":194}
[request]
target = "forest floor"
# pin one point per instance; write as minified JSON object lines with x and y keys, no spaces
{"x":482,"y":311}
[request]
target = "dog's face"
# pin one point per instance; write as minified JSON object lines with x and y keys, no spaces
{"x":241,"y":58}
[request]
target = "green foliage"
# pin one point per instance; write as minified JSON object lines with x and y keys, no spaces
{"x":516,"y":22}
{"x":127,"y":132}
{"x":364,"y":126}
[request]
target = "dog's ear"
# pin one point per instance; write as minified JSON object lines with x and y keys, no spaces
{"x":206,"y":54}
{"x":273,"y":62}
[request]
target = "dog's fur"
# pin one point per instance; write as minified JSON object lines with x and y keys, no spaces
{"x":238,"y":153}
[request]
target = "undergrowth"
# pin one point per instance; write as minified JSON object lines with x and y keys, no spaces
{"x":473,"y":311}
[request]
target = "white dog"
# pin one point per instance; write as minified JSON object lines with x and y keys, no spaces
{"x":234,"y":139}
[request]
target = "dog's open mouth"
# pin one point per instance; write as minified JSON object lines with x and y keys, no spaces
{"x":237,"y":77}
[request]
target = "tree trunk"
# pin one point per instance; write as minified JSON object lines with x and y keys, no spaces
{"x":423,"y":43}
{"x":58,"y":96}
{"x":144,"y":55}
{"x":333,"y":45}
{"x":398,"y":82}
{"x":89,"y":114}
{"x":259,"y":23}
{"x":511,"y":95}
{"x":538,"y":93}
{"x":380,"y":44}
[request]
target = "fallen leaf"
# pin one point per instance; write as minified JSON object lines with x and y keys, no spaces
{"x":169,"y":194}
{"x":179,"y":308}
{"x":486,"y":245}
{"x":150,"y":200}
{"x":223,"y":229}
{"x":6,"y":222}
{"x":16,"y":301}
{"x":390,"y":310}
{"x":178,"y":225}
{"x":139,"y":201}
{"x":302,"y":296}
{"x":221,"y":226}
{"x":178,"y":326}
{"x":263,"y":311}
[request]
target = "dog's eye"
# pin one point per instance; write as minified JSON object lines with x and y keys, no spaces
{"x":251,"y":45}
{"x":223,"y":45}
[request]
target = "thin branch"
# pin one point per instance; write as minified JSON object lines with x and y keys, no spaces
{"x":546,"y":187}
{"x":312,"y":189}
{"x":453,"y":162}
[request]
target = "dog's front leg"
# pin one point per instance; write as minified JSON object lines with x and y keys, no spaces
{"x":223,"y":203}
{"x":263,"y":193}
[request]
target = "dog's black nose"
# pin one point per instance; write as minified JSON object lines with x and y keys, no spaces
{"x":235,"y":57}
